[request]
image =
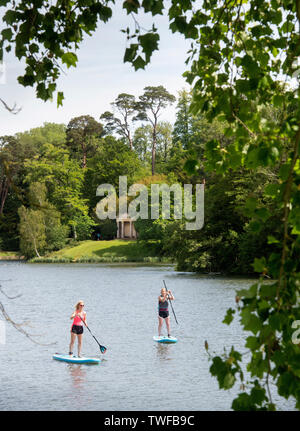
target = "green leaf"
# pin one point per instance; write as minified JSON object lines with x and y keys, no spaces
{"x":221,"y":370}
{"x":250,"y":321}
{"x":10,"y":17}
{"x":229,"y":316}
{"x":242,"y":402}
{"x":263,"y":213}
{"x":229,"y":381}
{"x":286,"y":384}
{"x":139,"y":63}
{"x":131,"y":6}
{"x":275,"y":321}
{"x":252,"y":342}
{"x":258,"y":395}
{"x":250,"y":66}
{"x":70,"y":59}
{"x":259,"y":264}
{"x":255,"y":226}
{"x":287,"y":27}
{"x":284,"y":171}
{"x":60,"y":98}
{"x":272,"y":190}
{"x":268,"y":290}
{"x":248,"y":293}
{"x":7,"y":33}
{"x":190,"y":166}
{"x":155,"y":7}
{"x":272,"y":240}
{"x":130,"y":53}
{"x":251,"y":204}
{"x":278,"y":100}
{"x":149,"y":43}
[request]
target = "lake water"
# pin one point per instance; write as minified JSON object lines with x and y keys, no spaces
{"x":121,"y":304}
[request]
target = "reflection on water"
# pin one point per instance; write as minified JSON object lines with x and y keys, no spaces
{"x":78,"y":374}
{"x":129,"y":377}
{"x":163,"y":351}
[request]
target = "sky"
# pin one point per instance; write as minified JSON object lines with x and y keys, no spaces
{"x":99,"y":77}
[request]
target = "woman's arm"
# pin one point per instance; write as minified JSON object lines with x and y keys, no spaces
{"x":73,"y":315}
{"x":171,"y":297}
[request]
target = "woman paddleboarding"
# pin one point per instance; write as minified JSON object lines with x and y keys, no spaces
{"x":78,"y":317}
{"x":163,"y":310}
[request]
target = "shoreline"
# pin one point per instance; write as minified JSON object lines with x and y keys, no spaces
{"x":145,"y":260}
{"x":12,"y":257}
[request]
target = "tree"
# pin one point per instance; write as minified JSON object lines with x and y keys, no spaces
{"x":40,"y":226}
{"x":12,"y":154}
{"x":182,"y":125}
{"x":241,"y":51}
{"x":83,"y":226}
{"x":149,"y":109}
{"x":164,"y":140}
{"x":112,"y":159}
{"x":64,"y":181}
{"x":82,"y":137}
{"x":5,"y":174}
{"x":125,"y":107}
{"x":32,"y":231}
{"x":142,"y":142}
{"x":106,"y":228}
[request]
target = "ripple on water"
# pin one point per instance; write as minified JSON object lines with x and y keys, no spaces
{"x":121,"y":306}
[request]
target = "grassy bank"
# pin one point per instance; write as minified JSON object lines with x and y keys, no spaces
{"x":10,"y":255}
{"x":105,"y":251}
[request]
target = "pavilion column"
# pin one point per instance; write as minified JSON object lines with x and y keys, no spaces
{"x":122,"y":224}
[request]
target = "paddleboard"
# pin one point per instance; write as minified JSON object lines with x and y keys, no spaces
{"x":76,"y":360}
{"x":164,"y":339}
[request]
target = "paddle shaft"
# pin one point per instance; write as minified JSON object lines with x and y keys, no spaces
{"x":170,"y":302}
{"x":101,"y":347}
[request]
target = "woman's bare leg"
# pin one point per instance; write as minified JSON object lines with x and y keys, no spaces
{"x":160,"y":323}
{"x":167,"y":320}
{"x":79,"y":343}
{"x":73,"y":336}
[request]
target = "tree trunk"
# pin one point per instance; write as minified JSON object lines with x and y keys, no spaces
{"x":154,"y":146}
{"x":35,"y":249}
{"x":84,"y":160}
{"x":75,"y":233}
{"x":130,"y":141}
{"x":3,"y":194}
{"x":165,"y":150}
{"x":84,"y":154}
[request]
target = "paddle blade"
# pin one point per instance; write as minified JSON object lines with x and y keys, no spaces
{"x":103,"y":349}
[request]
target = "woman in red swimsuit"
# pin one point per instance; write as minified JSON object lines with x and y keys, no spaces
{"x":79,"y":317}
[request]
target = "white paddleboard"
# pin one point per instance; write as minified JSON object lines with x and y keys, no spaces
{"x":164,"y":339}
{"x":75,"y":359}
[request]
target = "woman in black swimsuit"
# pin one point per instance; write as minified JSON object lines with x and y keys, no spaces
{"x":163,"y":310}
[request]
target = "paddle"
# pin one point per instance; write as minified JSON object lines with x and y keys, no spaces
{"x":102,"y":348}
{"x":170,"y":301}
